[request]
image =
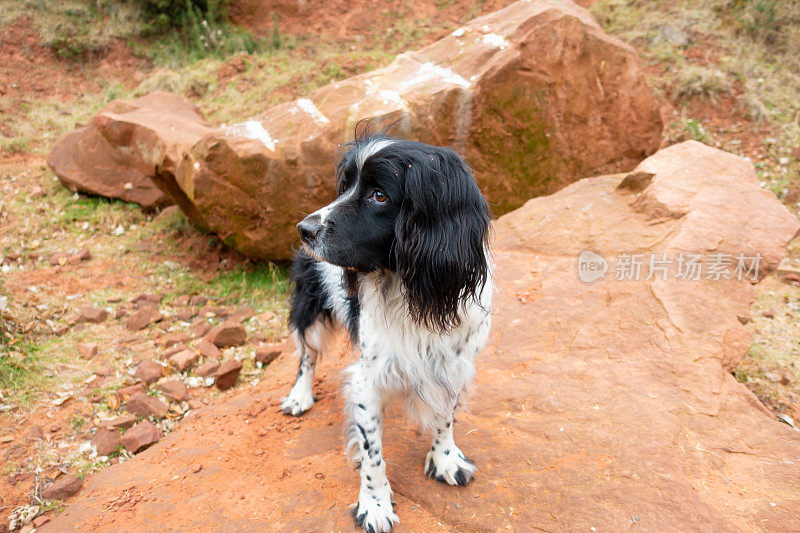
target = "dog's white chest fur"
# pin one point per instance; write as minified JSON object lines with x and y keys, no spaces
{"x":427,"y":368}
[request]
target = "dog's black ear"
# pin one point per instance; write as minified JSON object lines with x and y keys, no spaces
{"x":441,"y":237}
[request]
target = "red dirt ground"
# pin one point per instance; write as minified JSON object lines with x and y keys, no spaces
{"x":29,"y":69}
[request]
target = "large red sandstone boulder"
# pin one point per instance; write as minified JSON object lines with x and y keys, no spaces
{"x":125,"y":145}
{"x":535,"y":95}
{"x":605,"y":405}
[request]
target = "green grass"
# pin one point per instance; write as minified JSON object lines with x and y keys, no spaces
{"x":259,"y":284}
{"x":25,"y":370}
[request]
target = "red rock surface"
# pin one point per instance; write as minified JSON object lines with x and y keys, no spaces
{"x":594,"y":404}
{"x":118,"y":152}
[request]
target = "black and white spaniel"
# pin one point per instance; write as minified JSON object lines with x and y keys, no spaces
{"x":401,"y":260}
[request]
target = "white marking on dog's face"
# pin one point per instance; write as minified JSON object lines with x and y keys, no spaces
{"x":370,"y":149}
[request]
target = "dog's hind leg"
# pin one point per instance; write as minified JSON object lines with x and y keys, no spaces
{"x":309,"y":345}
{"x":445,"y":461}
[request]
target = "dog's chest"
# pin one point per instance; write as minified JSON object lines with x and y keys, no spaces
{"x":395,"y":349}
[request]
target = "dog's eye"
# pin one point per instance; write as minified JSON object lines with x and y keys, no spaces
{"x":378,"y":197}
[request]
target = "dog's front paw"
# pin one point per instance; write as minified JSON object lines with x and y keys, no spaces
{"x":374,"y":512}
{"x":449,"y":465}
{"x":298,"y":402}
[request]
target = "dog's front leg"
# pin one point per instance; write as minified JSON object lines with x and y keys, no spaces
{"x":445,"y":461}
{"x":374,"y":511}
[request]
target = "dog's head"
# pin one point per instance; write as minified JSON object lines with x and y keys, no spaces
{"x":411,"y":208}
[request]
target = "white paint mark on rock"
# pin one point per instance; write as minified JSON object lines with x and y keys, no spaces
{"x":252,"y":129}
{"x":392,"y":97}
{"x":428,"y":71}
{"x":308,"y":106}
{"x":498,"y":41}
{"x":459,"y":32}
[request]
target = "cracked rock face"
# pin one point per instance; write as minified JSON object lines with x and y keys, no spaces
{"x":535,"y":96}
{"x":598,"y":404}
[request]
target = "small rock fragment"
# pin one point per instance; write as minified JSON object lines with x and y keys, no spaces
{"x":125,"y":392}
{"x":92,"y":314}
{"x":240,"y":315}
{"x":106,"y":441}
{"x":143,"y":405}
{"x":105,"y":371}
{"x":181,"y":301}
{"x":39,"y":521}
{"x":196,"y":468}
{"x":210,"y":311}
{"x":173,"y":389}
{"x":208,"y":349}
{"x":87,"y":349}
{"x":227,"y":334}
{"x":199,"y":328}
{"x":268,"y":353}
{"x":207,"y":369}
{"x":141,"y":436}
{"x":83,"y":254}
{"x":185,"y":314}
{"x":195,"y":404}
{"x":143,"y":318}
{"x":143,"y":300}
{"x":257,"y":337}
{"x":121,"y":422}
{"x":173,"y":338}
{"x":63,"y":488}
{"x":58,"y":259}
{"x":227,"y":373}
{"x":184,"y":360}
{"x":148,"y":371}
{"x":198,"y":300}
{"x":36,"y":433}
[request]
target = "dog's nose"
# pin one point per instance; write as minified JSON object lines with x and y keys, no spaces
{"x":309,"y":228}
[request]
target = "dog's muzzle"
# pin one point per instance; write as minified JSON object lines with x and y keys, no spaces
{"x":309,"y":228}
